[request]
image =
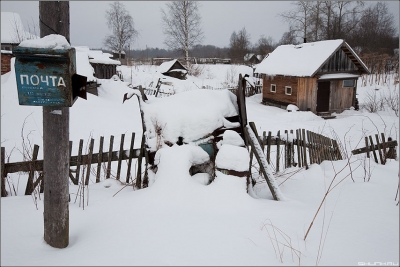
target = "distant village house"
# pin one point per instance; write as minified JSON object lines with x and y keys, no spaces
{"x":320,"y":77}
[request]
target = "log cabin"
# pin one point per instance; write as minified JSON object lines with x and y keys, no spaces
{"x":320,"y":76}
{"x":173,"y":69}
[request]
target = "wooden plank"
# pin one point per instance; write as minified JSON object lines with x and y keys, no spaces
{"x":292,"y":150}
{"x":128,"y":173}
{"x":337,"y":150}
{"x":78,"y":162}
{"x":139,"y":170}
{"x":110,"y":158}
{"x":286,"y":152}
{"x":3,"y":173}
{"x":310,"y":150}
{"x":304,"y":148}
{"x":372,"y":147}
{"x":99,"y":159}
{"x":269,"y":139}
{"x":258,"y":157}
{"x":379,"y":149}
{"x":73,"y":179}
{"x":89,"y":162}
{"x":263,"y":141}
{"x":298,"y":148}
{"x":366,"y":147}
{"x":373,"y":150}
{"x":384,"y":152}
{"x":278,"y":138}
{"x":121,"y":152}
{"x":29,"y":185}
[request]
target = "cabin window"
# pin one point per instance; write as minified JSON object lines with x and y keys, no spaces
{"x":273,"y":88}
{"x":288,"y":90}
{"x":348,"y":83}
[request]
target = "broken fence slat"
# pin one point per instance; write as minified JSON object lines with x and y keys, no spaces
{"x":372,"y":147}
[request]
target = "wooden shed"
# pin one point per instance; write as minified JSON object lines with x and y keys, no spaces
{"x":174,"y":69}
{"x":320,"y":77}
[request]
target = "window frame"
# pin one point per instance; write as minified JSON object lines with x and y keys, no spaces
{"x":270,"y":88}
{"x":354,"y":83}
{"x":291,"y":90}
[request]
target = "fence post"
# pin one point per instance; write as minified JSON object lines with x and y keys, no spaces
{"x":278,"y":139}
{"x":383,"y":148}
{"x":128,"y":173}
{"x":379,"y":149}
{"x":3,"y":173}
{"x":29,"y":185}
{"x":366,"y":146}
{"x":305,"y":148}
{"x":99,"y":159}
{"x":110,"y":156}
{"x":269,"y":148}
{"x":89,"y":161}
{"x":298,"y":148}
{"x":79,"y":161}
{"x":121,"y":150}
{"x":373,"y":149}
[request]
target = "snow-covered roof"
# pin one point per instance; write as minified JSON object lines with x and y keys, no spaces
{"x":97,"y":56}
{"x":12,"y":29}
{"x":166,"y":66}
{"x":301,"y":60}
{"x":83,"y":66}
{"x":333,"y":76}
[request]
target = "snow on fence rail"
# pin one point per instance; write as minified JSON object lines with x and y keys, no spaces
{"x":80,"y":161}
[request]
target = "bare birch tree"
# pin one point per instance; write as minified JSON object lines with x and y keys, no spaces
{"x":120,"y":22}
{"x":181,"y":25}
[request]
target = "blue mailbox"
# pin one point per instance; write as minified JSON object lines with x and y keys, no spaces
{"x":47,"y":77}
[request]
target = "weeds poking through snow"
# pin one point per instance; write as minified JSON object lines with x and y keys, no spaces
{"x":280,"y":240}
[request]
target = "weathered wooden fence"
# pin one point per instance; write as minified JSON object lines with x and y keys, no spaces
{"x":299,"y":148}
{"x":386,"y":149}
{"x":79,"y":161}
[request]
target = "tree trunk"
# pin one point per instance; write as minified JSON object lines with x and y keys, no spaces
{"x":54,"y":17}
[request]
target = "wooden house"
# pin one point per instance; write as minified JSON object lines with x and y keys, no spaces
{"x":174,"y":69}
{"x":319,"y":76}
{"x":104,"y":66}
{"x":12,"y":34}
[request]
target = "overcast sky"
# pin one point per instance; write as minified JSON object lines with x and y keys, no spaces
{"x":219,"y":19}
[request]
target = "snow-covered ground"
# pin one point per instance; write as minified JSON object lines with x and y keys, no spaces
{"x":179,"y":220}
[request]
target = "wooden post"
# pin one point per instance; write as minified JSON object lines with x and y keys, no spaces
{"x":260,"y":163}
{"x":305,"y":148}
{"x":286,"y":148}
{"x":3,"y":173}
{"x":310,"y":147}
{"x":379,"y":149}
{"x":373,"y":150}
{"x":139,"y":170}
{"x":79,"y":161}
{"x":278,"y":140}
{"x":54,"y":19}
{"x":128,"y":173}
{"x":292,"y":150}
{"x":89,"y":163}
{"x":29,"y":185}
{"x":366,"y":146}
{"x":384,"y":152}
{"x":298,"y":148}
{"x":109,"y":156}
{"x":99,"y":159}
{"x":121,"y":150}
{"x":337,"y":150}
{"x":269,"y":140}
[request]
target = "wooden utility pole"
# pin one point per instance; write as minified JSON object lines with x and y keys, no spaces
{"x":54,"y":19}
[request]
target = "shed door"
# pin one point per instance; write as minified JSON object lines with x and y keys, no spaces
{"x":323,"y":95}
